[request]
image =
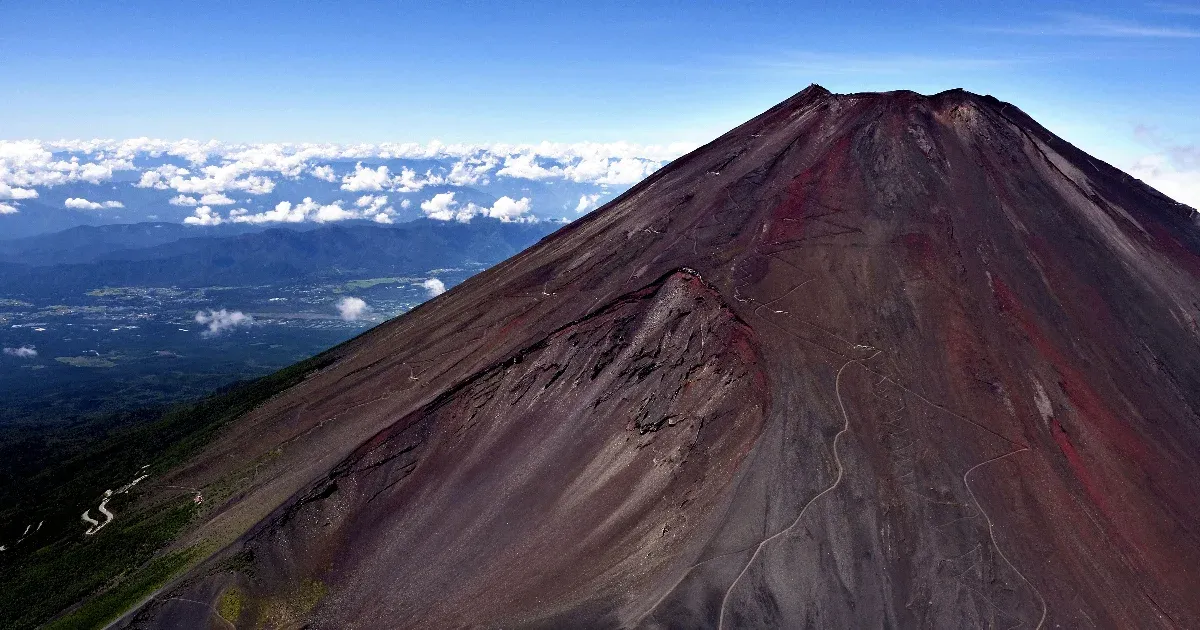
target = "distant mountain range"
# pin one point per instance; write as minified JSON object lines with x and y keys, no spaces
{"x":162,"y":254}
{"x":86,"y":243}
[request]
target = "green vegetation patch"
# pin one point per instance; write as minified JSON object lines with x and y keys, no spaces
{"x":230,"y":606}
{"x":110,"y":291}
{"x":292,"y":608}
{"x":123,"y":563}
{"x":358,"y":285}
{"x":86,"y":361}
{"x":63,"y":573}
{"x":98,"y":612}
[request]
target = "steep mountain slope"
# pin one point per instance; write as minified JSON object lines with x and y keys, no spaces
{"x":868,"y":360}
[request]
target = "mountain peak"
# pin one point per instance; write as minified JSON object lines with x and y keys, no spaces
{"x":920,"y":346}
{"x":815,"y":90}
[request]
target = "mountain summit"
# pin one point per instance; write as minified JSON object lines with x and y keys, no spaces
{"x":867,"y":360}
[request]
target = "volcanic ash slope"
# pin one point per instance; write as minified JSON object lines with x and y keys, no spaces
{"x":867,"y":360}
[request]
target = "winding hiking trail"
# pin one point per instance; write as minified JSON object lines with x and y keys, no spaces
{"x":841,"y":470}
{"x":96,"y":526}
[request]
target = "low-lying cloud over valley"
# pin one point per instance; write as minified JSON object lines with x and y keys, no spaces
{"x":218,"y":322}
{"x":352,"y":309}
{"x":434,"y":286}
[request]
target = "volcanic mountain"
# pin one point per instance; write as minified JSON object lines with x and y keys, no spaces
{"x":867,"y":360}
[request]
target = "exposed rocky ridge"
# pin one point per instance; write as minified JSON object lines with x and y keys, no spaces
{"x":551,"y":432}
{"x":948,"y":375}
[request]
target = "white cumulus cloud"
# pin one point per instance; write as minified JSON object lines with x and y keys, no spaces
{"x":587,"y":203}
{"x":324,"y":173}
{"x":408,"y":180}
{"x":375,"y":207}
{"x":222,"y":321}
{"x":209,"y":180}
{"x":218,"y":167}
{"x":8,"y":208}
{"x":24,"y":352}
{"x":204,"y":215}
{"x":525,"y":166}
{"x":216,"y":199}
{"x":364,"y":179}
{"x":440,"y":206}
{"x":434,"y":286}
{"x":472,"y":171}
{"x":326,"y":213}
{"x":79,"y":203}
{"x":26,"y":164}
{"x":214,"y":174}
{"x":352,"y":309}
{"x":309,"y":210}
{"x":9,"y":192}
{"x":373,"y":202}
{"x":284,"y":212}
{"x":622,"y":171}
{"x":443,"y":207}
{"x":507,"y":209}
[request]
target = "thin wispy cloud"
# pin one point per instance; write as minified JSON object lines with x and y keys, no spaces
{"x":24,"y":352}
{"x":1172,"y":168}
{"x":1083,"y":25}
{"x":1169,"y":177}
{"x":1184,"y":156}
{"x":822,"y":64}
{"x":1177,"y":9}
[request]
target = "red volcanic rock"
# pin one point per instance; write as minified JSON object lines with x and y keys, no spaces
{"x":868,"y":360}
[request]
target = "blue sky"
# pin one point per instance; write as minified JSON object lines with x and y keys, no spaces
{"x":1120,"y":79}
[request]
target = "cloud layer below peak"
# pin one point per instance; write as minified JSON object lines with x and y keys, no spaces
{"x":259,"y":183}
